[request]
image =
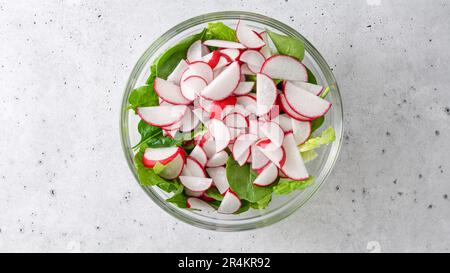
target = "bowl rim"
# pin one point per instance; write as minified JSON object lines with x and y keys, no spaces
{"x":288,"y":208}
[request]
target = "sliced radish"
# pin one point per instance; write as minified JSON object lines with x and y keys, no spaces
{"x":285,"y":123}
{"x":248,"y":37}
{"x":265,"y":50}
{"x":224,"y":85}
{"x":170,"y":133}
{"x":219,"y":177}
{"x":266,"y":94}
{"x":311,"y":88}
{"x":224,"y":60}
{"x":217,"y":160}
{"x":253,"y":125}
{"x":243,"y":88}
{"x":174,"y":168}
{"x":244,"y":157}
{"x":198,"y":204}
{"x":202,"y":115}
{"x":212,"y":59}
{"x":254,"y":59}
{"x":200,"y":69}
{"x":195,"y":52}
{"x":284,"y":105}
{"x":217,"y":71}
{"x":176,"y":74}
{"x":223,"y":44}
{"x":209,"y":146}
{"x":200,"y":155}
{"x":188,"y":192}
{"x":230,"y":203}
{"x":272,"y":131}
{"x":285,"y":67}
{"x":169,"y":92}
{"x":221,"y":134}
{"x":267,"y":176}
{"x":189,"y":122}
{"x":193,"y":168}
{"x":232,"y":53}
{"x":302,"y":131}
{"x":235,"y":120}
{"x":294,"y":168}
{"x":235,"y":132}
{"x":248,"y":102}
{"x":196,"y":183}
{"x":239,"y":109}
{"x":162,"y":155}
{"x":305,"y":103}
{"x":192,"y":86}
{"x":259,"y":160}
{"x":161,"y":116}
{"x":276,"y":154}
{"x":216,"y":107}
{"x":242,"y":144}
{"x":245,"y":70}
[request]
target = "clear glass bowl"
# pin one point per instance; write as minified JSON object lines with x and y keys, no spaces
{"x":281,"y":206}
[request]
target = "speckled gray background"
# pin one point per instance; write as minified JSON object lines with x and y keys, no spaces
{"x":64,"y":185}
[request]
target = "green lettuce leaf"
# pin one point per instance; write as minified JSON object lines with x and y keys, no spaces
{"x":288,"y":45}
{"x":325,"y":92}
{"x":308,"y":155}
{"x":220,"y":31}
{"x":214,"y":194}
{"x":262,"y":204}
{"x":143,"y":96}
{"x":328,"y":135}
{"x":286,"y":186}
{"x":178,"y":198}
{"x":241,"y":180}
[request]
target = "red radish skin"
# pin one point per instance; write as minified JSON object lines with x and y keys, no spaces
{"x":304,"y":103}
{"x":207,"y":198}
{"x":161,"y":116}
{"x":218,"y":106}
{"x":193,"y":168}
{"x":285,"y":67}
{"x":273,"y":131}
{"x":169,"y":92}
{"x":212,"y":59}
{"x":159,"y":155}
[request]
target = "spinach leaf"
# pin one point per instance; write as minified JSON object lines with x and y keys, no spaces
{"x":311,"y":78}
{"x":288,"y":45}
{"x":241,"y":180}
{"x":167,"y":62}
{"x":315,"y":124}
{"x":286,"y":186}
{"x":152,"y":136}
{"x":214,"y":193}
{"x":262,"y":204}
{"x":220,"y":31}
{"x":143,"y":96}
{"x":178,"y":198}
{"x":245,"y":205}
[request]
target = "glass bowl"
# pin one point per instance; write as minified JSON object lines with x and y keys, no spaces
{"x":281,"y":206}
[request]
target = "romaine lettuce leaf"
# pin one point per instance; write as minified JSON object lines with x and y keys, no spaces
{"x":328,"y":135}
{"x":286,"y":186}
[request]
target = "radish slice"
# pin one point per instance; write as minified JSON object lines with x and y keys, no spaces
{"x":209,"y":146}
{"x":266,"y":94}
{"x":235,"y":120}
{"x":223,"y":44}
{"x":174,"y":126}
{"x":285,"y":68}
{"x":311,"y":88}
{"x":285,"y":123}
{"x":248,"y":37}
{"x":254,"y":59}
{"x":216,"y":107}
{"x":217,"y":71}
{"x":230,"y":203}
{"x":219,"y":177}
{"x":217,"y":160}
{"x":238,"y":109}
{"x":259,"y":160}
{"x":244,"y":157}
{"x":223,"y":62}
{"x":199,"y":68}
{"x":267,"y":176}
{"x":284,"y":105}
{"x":176,"y":74}
{"x":194,"y":52}
{"x":243,"y":88}
{"x":242,"y":144}
{"x":212,"y":59}
{"x":248,"y":102}
{"x":235,"y":132}
{"x":245,"y":70}
{"x":272,"y":131}
{"x":232,"y":53}
{"x":188,"y":192}
{"x":276,"y":154}
{"x":221,"y":134}
{"x":224,"y":85}
{"x":202,"y":115}
{"x":294,"y":168}
{"x":200,"y":155}
{"x":265,"y":50}
{"x":169,"y":92}
{"x":159,"y":155}
{"x":161,"y":116}
{"x":189,"y":122}
{"x":196,"y":183}
{"x":192,"y":86}
{"x":170,"y":133}
{"x":198,"y":204}
{"x":174,"y":168}
{"x":305,"y":103}
{"x":193,"y":168}
{"x":302,"y":131}
{"x":253,"y":126}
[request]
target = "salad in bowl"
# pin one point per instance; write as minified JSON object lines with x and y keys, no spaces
{"x":229,"y":119}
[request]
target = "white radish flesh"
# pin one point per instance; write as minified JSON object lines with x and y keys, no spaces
{"x":196,"y":184}
{"x":243,"y":88}
{"x":301,"y":130}
{"x":224,"y":85}
{"x":169,"y":92}
{"x":305,"y":103}
{"x":219,"y":177}
{"x":294,"y":167}
{"x":200,"y":155}
{"x":161,"y":116}
{"x":230,"y":203}
{"x":254,"y":59}
{"x":192,"y":86}
{"x":176,"y":74}
{"x":266,"y":94}
{"x":198,"y":204}
{"x":267,"y":176}
{"x":248,"y":37}
{"x":217,"y":160}
{"x":285,"y":67}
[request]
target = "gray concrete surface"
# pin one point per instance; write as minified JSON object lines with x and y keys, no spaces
{"x":64,"y":185}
